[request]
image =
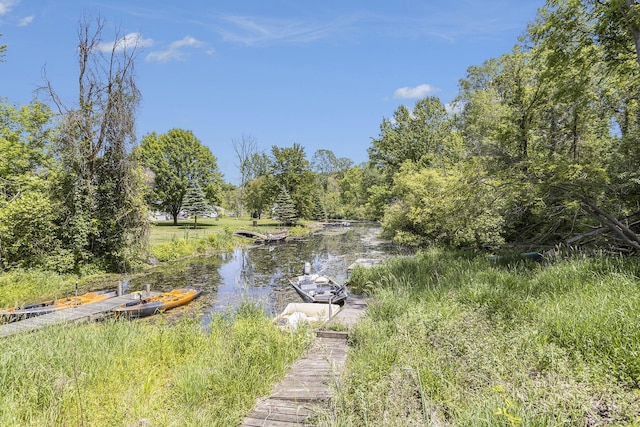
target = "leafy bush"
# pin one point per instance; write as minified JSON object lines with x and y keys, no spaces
{"x":453,"y":208}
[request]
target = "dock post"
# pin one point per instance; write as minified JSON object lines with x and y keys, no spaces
{"x":119,"y":292}
{"x":148,"y":290}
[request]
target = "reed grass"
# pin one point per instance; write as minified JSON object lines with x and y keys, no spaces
{"x":450,"y":340}
{"x":151,"y":372}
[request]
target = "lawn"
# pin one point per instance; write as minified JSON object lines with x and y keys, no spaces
{"x":165,"y":231}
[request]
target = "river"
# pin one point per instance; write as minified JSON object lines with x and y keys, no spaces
{"x":260,"y":273}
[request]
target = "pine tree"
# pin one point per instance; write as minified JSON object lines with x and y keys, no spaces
{"x":194,"y":202}
{"x":285,"y":209}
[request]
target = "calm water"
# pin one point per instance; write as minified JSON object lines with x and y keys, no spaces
{"x":261,"y":273}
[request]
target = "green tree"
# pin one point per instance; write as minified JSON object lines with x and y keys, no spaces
{"x":257,"y":196}
{"x":422,"y":135}
{"x":590,"y":55}
{"x":284,"y":209}
{"x":29,"y":236}
{"x":26,"y":135}
{"x":325,"y":164}
{"x":229,"y":193}
{"x":329,"y":170}
{"x":103,"y":215}
{"x":259,"y":164}
{"x":175,"y":158}
{"x":363,"y":193}
{"x":353,"y":192}
{"x":615,"y":24}
{"x":195,"y":203}
{"x":291,"y":170}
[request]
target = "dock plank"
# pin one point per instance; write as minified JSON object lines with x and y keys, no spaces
{"x":86,"y":312}
{"x":305,"y":391}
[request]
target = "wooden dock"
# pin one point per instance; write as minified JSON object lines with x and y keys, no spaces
{"x":305,"y":391}
{"x":81,"y":313}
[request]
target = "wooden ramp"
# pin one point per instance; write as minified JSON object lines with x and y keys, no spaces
{"x":305,"y":391}
{"x":86,"y":312}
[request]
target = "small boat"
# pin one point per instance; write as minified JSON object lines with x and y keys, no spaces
{"x":296,"y":313}
{"x":147,"y":306}
{"x":40,"y":308}
{"x":314,"y":288}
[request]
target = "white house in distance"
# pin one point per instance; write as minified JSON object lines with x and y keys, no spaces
{"x":156,"y":216}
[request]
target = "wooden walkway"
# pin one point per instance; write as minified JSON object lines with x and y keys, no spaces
{"x":305,"y":391}
{"x":86,"y":312}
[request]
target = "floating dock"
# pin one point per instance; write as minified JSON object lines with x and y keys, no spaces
{"x":82,"y":313}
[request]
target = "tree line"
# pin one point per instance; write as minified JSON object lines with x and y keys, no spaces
{"x":539,"y":147}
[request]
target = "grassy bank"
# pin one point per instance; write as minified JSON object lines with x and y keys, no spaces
{"x":456,"y":341}
{"x":157,"y":371}
{"x":151,"y":372}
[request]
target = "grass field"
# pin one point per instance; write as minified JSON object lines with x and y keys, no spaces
{"x":152,"y":372}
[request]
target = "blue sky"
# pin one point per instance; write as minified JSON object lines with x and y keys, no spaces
{"x":320,"y":74}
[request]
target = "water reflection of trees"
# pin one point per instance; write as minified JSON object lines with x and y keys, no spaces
{"x":262,"y":272}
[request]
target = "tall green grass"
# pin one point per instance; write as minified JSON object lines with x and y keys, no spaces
{"x":449,"y":340}
{"x":149,"y":372}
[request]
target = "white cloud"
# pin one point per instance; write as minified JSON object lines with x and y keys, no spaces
{"x":130,"y":41}
{"x":25,"y":21}
{"x":178,"y":50}
{"x":6,"y":5}
{"x":415,"y":92}
{"x":252,"y":30}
